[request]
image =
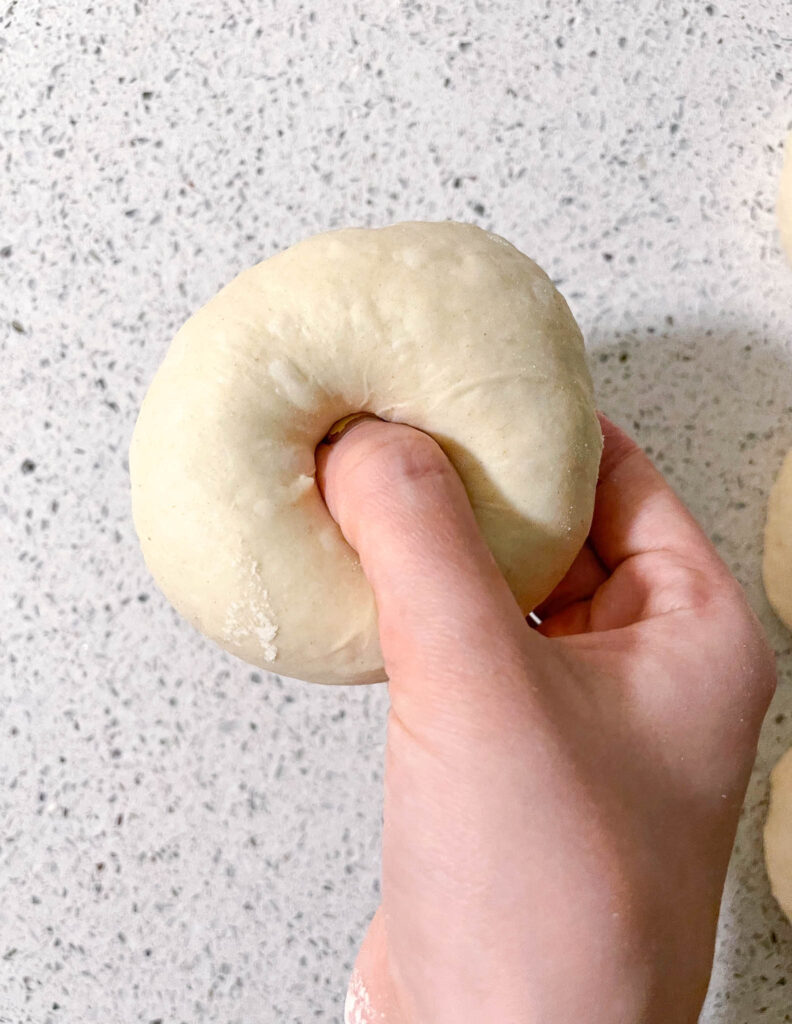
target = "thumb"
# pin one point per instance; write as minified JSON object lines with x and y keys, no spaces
{"x":445,"y":611}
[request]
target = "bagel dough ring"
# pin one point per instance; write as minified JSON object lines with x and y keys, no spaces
{"x":777,"y":561}
{"x":778,"y":834}
{"x":442,"y":326}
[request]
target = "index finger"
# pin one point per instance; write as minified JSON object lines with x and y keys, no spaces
{"x":636,"y":511}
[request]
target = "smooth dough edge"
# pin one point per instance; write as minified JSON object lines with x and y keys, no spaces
{"x":778,"y":834}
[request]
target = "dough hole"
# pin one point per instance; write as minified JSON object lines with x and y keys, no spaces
{"x":340,"y":427}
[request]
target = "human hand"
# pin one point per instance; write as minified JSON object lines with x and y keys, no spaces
{"x":561,"y":802}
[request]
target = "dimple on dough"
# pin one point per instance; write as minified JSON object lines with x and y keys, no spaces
{"x":778,"y":834}
{"x":777,"y":563}
{"x":784,"y":204}
{"x":443,"y":326}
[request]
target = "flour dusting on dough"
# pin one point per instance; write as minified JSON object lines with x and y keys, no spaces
{"x":357,"y":1006}
{"x":292,"y":383}
{"x":251,"y":615}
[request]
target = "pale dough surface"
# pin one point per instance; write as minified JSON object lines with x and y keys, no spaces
{"x":440,"y":325}
{"x":777,"y":565}
{"x":778,"y":834}
{"x":784,"y":205}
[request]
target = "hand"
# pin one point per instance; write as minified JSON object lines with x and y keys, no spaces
{"x":560,"y":803}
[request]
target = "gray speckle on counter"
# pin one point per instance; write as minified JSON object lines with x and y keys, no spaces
{"x":182,"y":838}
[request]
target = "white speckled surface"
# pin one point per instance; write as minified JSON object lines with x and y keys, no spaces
{"x":182,"y":840}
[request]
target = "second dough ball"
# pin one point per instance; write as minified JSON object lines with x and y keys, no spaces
{"x":778,"y":834}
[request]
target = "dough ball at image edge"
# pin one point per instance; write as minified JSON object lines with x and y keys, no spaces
{"x":778,"y":834}
{"x":777,"y":560}
{"x":784,"y":204}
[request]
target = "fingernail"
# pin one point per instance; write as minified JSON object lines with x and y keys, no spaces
{"x":344,"y":425}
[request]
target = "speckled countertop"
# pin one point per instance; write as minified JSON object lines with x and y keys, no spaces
{"x":183,"y":839}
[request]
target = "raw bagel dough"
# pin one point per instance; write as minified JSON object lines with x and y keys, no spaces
{"x":784,"y":206}
{"x":440,"y":325}
{"x":777,"y":566}
{"x":778,"y":834}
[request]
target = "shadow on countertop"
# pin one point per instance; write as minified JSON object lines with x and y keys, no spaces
{"x":713,"y":408}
